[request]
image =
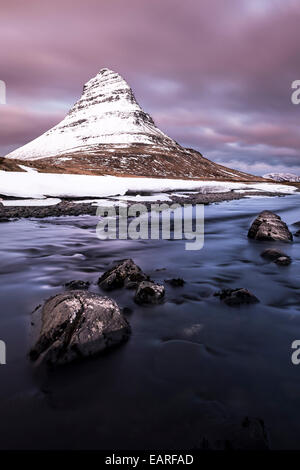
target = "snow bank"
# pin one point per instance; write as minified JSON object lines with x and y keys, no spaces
{"x":152,"y":198}
{"x":40,"y":185}
{"x":156,"y":185}
{"x":101,"y":202}
{"x":32,"y":202}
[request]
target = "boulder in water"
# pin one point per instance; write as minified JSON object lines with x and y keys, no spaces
{"x":235,"y":297}
{"x":277,"y":256}
{"x":77,"y":324}
{"x":77,"y":284}
{"x":269,"y":226}
{"x":149,"y":292}
{"x":125,"y":273}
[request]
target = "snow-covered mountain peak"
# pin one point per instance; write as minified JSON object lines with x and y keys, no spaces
{"x":106,"y":113}
{"x":106,"y":82}
{"x":106,"y":132}
{"x":104,"y":94}
{"x":283,"y":177}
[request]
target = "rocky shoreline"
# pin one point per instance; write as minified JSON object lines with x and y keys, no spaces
{"x":71,"y":208}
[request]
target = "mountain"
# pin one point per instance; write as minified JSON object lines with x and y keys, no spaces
{"x":107,"y":132}
{"x":107,"y":113}
{"x":283,"y":177}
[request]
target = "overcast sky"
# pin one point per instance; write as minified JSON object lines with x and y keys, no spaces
{"x":215,"y":75}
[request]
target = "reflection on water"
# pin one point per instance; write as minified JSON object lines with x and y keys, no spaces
{"x":188,"y":355}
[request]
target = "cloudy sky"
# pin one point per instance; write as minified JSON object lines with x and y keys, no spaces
{"x":215,"y":75}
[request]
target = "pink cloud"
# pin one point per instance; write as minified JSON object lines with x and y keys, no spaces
{"x":221,"y":60}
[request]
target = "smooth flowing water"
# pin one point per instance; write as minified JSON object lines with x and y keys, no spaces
{"x":189,"y":357}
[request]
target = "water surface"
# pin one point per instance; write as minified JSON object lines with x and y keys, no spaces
{"x":189,"y":356}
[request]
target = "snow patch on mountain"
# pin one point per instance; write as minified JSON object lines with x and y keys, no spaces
{"x":290,"y":177}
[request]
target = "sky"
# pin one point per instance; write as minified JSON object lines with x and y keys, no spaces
{"x":215,"y":75}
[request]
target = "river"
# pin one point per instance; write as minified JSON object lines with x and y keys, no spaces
{"x":190,"y":357}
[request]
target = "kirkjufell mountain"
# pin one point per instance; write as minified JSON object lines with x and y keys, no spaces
{"x":107,"y":132}
{"x":106,"y":113}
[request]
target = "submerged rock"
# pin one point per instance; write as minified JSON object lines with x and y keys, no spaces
{"x":239,"y":296}
{"x":77,"y":324}
{"x":77,"y":284}
{"x":176,"y":282}
{"x":127,"y":310}
{"x":269,"y":226}
{"x":149,"y":292}
{"x":283,"y":261}
{"x":125,"y":273}
{"x":277,"y":256}
{"x":272,"y":254}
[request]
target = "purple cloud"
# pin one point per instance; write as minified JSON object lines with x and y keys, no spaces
{"x":214,"y":75}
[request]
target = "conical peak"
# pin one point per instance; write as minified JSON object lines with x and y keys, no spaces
{"x":107,"y":80}
{"x":104,"y":95}
{"x":106,"y":113}
{"x":106,"y":71}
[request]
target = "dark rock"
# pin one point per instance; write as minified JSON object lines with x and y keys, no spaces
{"x":125,"y":273}
{"x":297,"y":234}
{"x":237,"y":296}
{"x":269,"y":226}
{"x":283,"y":261}
{"x":272,"y":254}
{"x":77,"y":324}
{"x":62,"y":209}
{"x":133,"y":280}
{"x":75,"y":285}
{"x":176,"y":282}
{"x":149,"y":292}
{"x":277,"y":256}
